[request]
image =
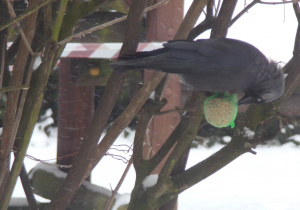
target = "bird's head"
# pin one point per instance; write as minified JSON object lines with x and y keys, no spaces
{"x":269,"y":87}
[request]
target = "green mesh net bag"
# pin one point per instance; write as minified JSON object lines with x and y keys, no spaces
{"x":221,"y":110}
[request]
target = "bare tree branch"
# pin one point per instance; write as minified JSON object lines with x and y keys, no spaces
{"x":210,"y":165}
{"x":210,"y":20}
{"x":13,"y":15}
{"x":99,"y":121}
{"x":4,"y":15}
{"x":27,"y":189}
{"x":7,"y":89}
{"x":205,"y":25}
{"x":220,"y":28}
{"x":274,"y":3}
{"x":255,"y":2}
{"x":297,"y":11}
{"x":243,"y":12}
{"x":122,"y":121}
{"x":223,"y":21}
{"x":190,"y":18}
{"x":146,"y":114}
{"x":29,"y":12}
{"x":125,"y":118}
{"x":14,"y":107}
{"x":78,"y":35}
{"x":240,"y":144}
{"x":115,"y":191}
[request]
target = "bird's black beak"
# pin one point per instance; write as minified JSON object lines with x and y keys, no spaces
{"x":247,"y":99}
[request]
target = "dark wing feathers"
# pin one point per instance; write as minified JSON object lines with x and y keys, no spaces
{"x":180,"y":45}
{"x":207,"y":56}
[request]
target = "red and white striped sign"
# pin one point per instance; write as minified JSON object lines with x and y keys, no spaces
{"x":104,"y":50}
{"x":96,"y":50}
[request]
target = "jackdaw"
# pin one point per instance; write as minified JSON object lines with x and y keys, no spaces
{"x":214,"y":65}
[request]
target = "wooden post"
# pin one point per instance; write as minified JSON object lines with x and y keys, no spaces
{"x":162,"y":24}
{"x":75,"y":111}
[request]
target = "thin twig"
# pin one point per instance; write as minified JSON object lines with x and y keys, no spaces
{"x":255,"y":2}
{"x":118,"y":157}
{"x":283,"y":2}
{"x":109,"y":23}
{"x":218,"y":7}
{"x":24,"y":92}
{"x":45,"y":161}
{"x":243,"y":12}
{"x":126,"y":151}
{"x":22,"y":16}
{"x":59,"y":20}
{"x":177,"y":109}
{"x":115,"y":191}
{"x":209,"y":21}
{"x":7,"y":89}
{"x":13,"y":15}
{"x":2,"y":65}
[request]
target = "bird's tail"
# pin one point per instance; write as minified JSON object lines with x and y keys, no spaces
{"x":124,"y":65}
{"x":137,"y":61}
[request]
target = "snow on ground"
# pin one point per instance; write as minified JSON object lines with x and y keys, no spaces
{"x":266,"y":181}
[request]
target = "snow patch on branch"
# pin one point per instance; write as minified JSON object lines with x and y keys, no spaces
{"x":150,"y":181}
{"x":248,"y":133}
{"x":121,"y":200}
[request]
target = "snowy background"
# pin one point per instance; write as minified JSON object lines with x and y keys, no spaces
{"x":266,"y":181}
{"x":269,"y":180}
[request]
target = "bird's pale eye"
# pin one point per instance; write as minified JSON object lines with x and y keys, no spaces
{"x":258,"y":100}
